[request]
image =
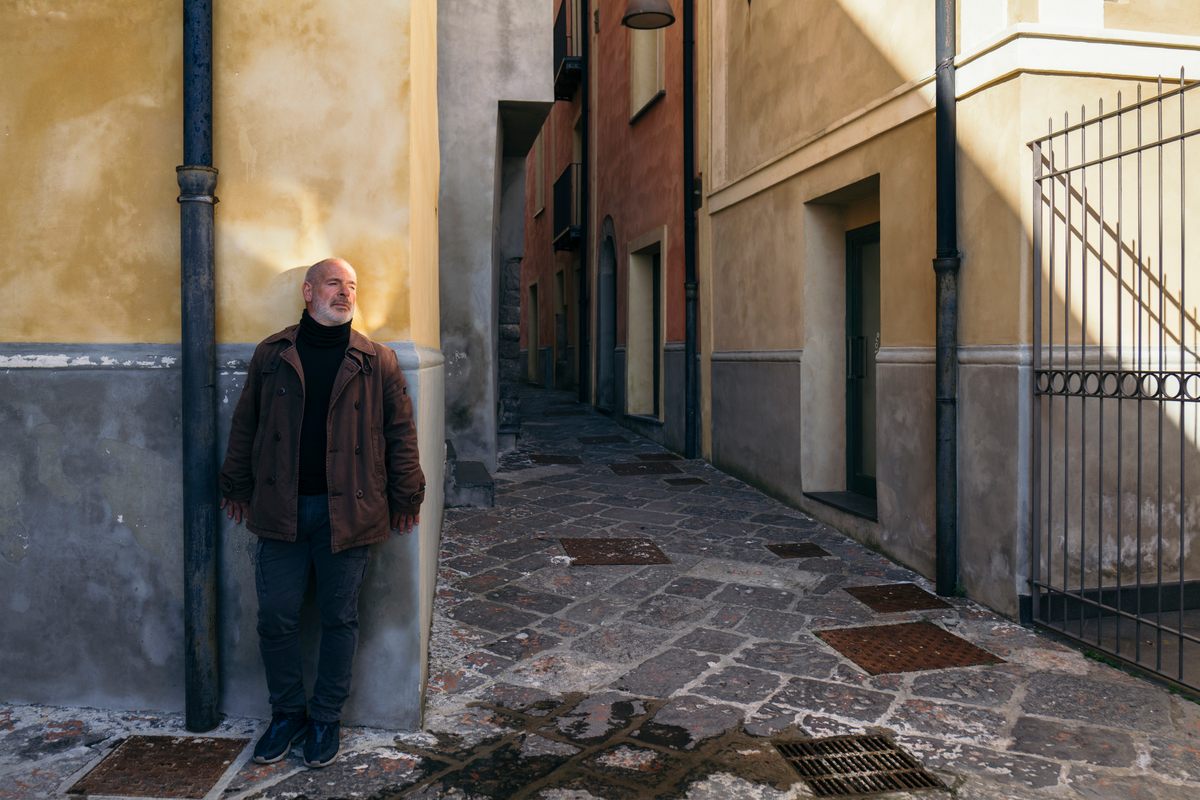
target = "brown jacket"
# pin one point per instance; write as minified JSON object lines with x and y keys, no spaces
{"x":371,"y":464}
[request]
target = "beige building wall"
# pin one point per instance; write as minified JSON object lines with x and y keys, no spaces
{"x":807,"y":141}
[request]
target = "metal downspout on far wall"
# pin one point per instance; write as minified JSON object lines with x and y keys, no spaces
{"x":946,"y":265}
{"x":584,"y":348}
{"x":197,"y":198}
{"x":691,"y":368}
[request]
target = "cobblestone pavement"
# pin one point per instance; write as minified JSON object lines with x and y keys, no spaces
{"x":558,"y":681}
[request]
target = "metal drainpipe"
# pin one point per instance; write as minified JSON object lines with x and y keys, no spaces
{"x":584,"y":348}
{"x":197,"y":187}
{"x":946,"y":266}
{"x":691,"y":368}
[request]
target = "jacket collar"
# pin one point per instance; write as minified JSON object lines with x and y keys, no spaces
{"x":357,"y":341}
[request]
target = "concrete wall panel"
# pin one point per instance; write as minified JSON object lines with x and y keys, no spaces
{"x":91,"y":542}
{"x":756,"y":423}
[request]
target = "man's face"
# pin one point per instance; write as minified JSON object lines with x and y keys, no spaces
{"x":330,"y":299}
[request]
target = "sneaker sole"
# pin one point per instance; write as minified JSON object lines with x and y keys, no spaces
{"x":299,"y":734}
{"x":319,"y":764}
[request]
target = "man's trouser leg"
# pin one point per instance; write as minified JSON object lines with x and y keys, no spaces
{"x":339,"y":577}
{"x":281,"y":576}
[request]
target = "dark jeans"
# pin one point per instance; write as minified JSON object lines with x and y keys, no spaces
{"x":281,"y":577}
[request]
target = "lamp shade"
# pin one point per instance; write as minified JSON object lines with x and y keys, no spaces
{"x":648,"y":14}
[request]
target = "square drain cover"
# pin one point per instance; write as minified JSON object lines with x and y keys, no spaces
{"x":161,"y":766}
{"x":645,"y":468}
{"x":909,"y":647}
{"x":610,"y":552}
{"x":658,"y":457}
{"x":855,"y":765}
{"x":797,"y":550}
{"x":892,"y":597}
{"x":602,"y":440}
{"x":551,"y":458}
{"x":685,"y":481}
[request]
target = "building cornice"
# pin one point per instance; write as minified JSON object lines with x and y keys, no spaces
{"x":1020,"y":49}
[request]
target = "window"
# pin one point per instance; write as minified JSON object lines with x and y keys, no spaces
{"x":645,"y":69}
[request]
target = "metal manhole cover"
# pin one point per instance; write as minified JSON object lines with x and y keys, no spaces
{"x":551,"y":458}
{"x":602,"y":440}
{"x":161,"y":766}
{"x":908,"y":647}
{"x":797,"y":550}
{"x":610,"y":552}
{"x":892,"y":597}
{"x":658,"y":457}
{"x":645,"y":468}
{"x":838,"y":766}
{"x":685,"y":481}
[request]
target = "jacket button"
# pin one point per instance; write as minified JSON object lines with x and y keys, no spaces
{"x":356,"y":404}
{"x":359,"y":493}
{"x":270,"y":481}
{"x":357,"y":449}
{"x":282,"y":390}
{"x":277,"y":436}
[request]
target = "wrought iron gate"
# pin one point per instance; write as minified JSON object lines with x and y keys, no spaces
{"x":1116,"y":391}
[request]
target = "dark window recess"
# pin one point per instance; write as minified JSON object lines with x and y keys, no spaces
{"x":568,"y":52}
{"x":568,"y":208}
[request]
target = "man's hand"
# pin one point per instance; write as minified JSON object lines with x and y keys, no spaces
{"x":403,"y":523}
{"x":235,"y":510}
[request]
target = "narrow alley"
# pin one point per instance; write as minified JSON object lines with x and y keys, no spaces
{"x":553,"y":679}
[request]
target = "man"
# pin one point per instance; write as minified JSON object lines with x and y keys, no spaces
{"x":322,"y":462}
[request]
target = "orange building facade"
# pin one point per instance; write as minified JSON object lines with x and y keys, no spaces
{"x":604,"y":245}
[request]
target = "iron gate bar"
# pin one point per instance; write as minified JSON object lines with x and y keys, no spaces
{"x":1146,"y":376}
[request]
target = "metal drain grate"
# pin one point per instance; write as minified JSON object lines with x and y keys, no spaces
{"x":602,"y":440}
{"x":161,"y":766}
{"x":797,"y":550}
{"x":909,"y":647}
{"x":552,"y":458}
{"x":686,"y":481}
{"x":645,"y":468}
{"x":893,"y":597}
{"x":838,"y":766}
{"x":658,"y":457}
{"x":609,"y":552}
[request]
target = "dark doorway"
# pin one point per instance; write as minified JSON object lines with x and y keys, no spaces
{"x":606,"y":321}
{"x":862,"y":345}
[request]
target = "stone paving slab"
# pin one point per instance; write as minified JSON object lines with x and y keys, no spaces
{"x":577,"y":683}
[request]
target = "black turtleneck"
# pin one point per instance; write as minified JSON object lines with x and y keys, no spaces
{"x":321,"y":349}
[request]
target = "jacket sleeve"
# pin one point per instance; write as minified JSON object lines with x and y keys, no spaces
{"x":405,"y":480}
{"x":237,"y":473}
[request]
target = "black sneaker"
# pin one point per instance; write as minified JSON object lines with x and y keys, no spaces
{"x":323,"y":744}
{"x":281,"y":733}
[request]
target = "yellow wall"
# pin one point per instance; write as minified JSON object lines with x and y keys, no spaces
{"x":759,"y":257}
{"x":311,"y":136}
{"x":90,"y":133}
{"x":793,"y":69}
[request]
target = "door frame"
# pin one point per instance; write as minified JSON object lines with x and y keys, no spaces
{"x":856,"y":481}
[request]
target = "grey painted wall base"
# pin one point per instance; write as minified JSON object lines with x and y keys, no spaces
{"x":757,"y":435}
{"x":91,"y":540}
{"x":669,"y":432}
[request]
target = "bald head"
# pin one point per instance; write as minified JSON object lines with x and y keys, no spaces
{"x":330,"y":291}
